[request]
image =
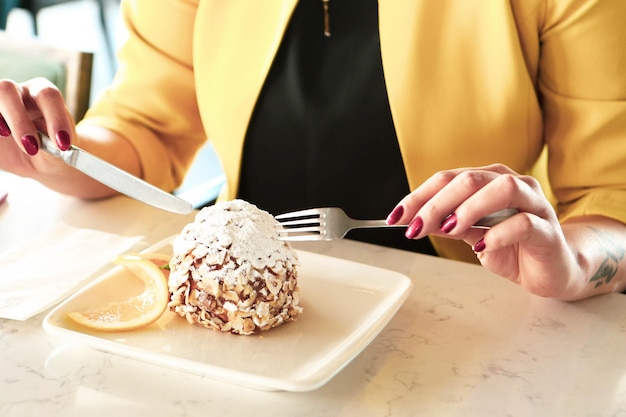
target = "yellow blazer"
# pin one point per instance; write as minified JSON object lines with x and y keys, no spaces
{"x":469,"y":83}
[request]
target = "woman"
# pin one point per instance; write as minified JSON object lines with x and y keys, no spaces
{"x":354,"y":103}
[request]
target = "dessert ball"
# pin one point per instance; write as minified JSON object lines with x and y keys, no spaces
{"x":230,"y":272}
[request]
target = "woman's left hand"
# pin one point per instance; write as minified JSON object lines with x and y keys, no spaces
{"x":529,"y":248}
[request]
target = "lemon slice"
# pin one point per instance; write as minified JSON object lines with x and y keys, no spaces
{"x":134,"y":312}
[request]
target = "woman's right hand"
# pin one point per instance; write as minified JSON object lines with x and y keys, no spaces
{"x":26,"y":108}
{"x":38,"y":105}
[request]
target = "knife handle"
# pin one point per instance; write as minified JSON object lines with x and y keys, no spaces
{"x":48,"y":146}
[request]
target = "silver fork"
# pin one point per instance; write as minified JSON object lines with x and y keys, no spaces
{"x":329,"y":223}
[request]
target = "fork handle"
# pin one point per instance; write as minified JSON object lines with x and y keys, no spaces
{"x":484,"y":223}
{"x":495,"y":218}
{"x":362,"y":224}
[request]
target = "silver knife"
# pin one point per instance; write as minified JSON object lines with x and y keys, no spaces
{"x":116,"y":178}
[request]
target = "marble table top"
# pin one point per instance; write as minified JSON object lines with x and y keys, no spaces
{"x":465,"y":343}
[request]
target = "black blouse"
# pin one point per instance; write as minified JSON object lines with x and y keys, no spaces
{"x":322,"y":133}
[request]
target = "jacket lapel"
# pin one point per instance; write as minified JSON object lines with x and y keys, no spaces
{"x":231,"y":66}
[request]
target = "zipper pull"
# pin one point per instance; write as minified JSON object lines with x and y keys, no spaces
{"x":326,"y":18}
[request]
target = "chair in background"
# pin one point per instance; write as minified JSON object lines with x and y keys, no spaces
{"x":71,"y":71}
{"x":25,"y":58}
{"x":35,"y":6}
{"x":5,"y":8}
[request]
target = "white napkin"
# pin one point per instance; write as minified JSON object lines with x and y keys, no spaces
{"x":44,"y":270}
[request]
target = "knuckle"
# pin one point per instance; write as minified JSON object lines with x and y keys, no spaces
{"x":431,"y":213}
{"x":472,"y":180}
{"x":509,"y":184}
{"x":500,"y":168}
{"x":444,"y":177}
{"x":7,"y":87}
{"x":525,"y":223}
{"x":531,"y":181}
{"x":46,"y":92}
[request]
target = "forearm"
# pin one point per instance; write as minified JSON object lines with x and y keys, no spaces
{"x":599,"y":246}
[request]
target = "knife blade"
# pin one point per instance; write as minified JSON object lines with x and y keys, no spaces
{"x":116,"y":178}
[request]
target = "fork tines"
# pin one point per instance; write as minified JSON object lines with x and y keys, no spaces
{"x":300,"y":225}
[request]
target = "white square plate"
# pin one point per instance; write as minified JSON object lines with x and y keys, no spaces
{"x":346,"y":304}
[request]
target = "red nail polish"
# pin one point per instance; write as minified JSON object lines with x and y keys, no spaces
{"x":414,"y":228}
{"x":479,"y":246}
{"x":395,"y":216}
{"x":448,"y":223}
{"x":30,"y":144}
{"x":4,"y":128}
{"x":63,"y":140}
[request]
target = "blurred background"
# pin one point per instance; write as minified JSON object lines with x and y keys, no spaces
{"x":88,"y":25}
{"x":96,"y":26}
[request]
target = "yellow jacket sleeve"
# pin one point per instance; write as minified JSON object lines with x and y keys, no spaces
{"x":583,"y":88}
{"x":152,"y":101}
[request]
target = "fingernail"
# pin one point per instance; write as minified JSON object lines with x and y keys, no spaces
{"x":448,"y":223}
{"x":395,"y":216}
{"x":63,"y":140}
{"x":414,"y":228}
{"x":30,"y":144}
{"x":4,"y":128}
{"x":479,"y":246}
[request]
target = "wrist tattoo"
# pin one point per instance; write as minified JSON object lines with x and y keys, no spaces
{"x":614,"y":253}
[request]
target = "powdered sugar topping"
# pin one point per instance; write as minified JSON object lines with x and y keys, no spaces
{"x":236,"y":236}
{"x":230,"y":272}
